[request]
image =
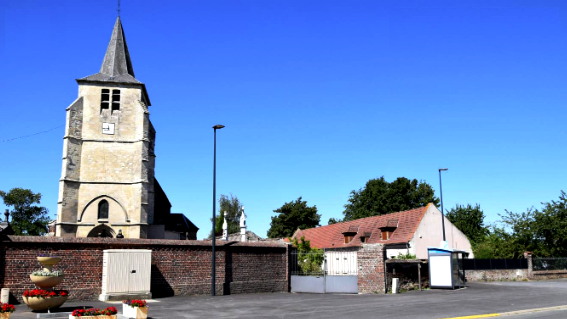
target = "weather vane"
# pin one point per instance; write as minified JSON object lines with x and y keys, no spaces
{"x":118,"y":10}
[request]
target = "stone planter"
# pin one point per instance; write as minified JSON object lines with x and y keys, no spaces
{"x":93,"y":317}
{"x":48,"y":262}
{"x":134,"y":312}
{"x":5,"y":315}
{"x":46,"y":281}
{"x":37,"y":303}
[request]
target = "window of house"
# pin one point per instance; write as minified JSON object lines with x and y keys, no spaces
{"x":105,"y":99}
{"x":115,"y":100}
{"x":348,"y":238}
{"x":362,"y":239}
{"x":103,"y":209}
{"x":385,"y":235}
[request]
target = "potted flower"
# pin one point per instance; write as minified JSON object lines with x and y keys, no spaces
{"x":6,"y":310}
{"x":135,"y":309}
{"x":94,"y":313}
{"x":41,"y":299}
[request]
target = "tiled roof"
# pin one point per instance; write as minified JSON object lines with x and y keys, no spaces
{"x":331,"y":236}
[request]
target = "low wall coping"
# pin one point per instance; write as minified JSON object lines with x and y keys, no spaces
{"x":137,"y":242}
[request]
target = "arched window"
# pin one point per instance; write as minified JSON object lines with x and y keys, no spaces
{"x":103,"y":209}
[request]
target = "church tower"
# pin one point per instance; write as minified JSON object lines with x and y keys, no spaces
{"x":107,"y":184}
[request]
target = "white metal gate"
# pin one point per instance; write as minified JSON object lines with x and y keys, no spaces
{"x":126,"y":271}
{"x":332,"y":271}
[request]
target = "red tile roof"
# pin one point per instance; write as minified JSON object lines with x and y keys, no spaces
{"x":331,"y":236}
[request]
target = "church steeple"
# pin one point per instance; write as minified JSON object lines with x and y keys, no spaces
{"x":117,"y":58}
{"x":117,"y":65}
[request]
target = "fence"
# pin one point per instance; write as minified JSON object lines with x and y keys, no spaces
{"x":495,"y":264}
{"x":549,"y":263}
{"x":307,"y":264}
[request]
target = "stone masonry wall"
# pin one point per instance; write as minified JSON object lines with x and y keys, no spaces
{"x":178,"y":267}
{"x":370,"y":259}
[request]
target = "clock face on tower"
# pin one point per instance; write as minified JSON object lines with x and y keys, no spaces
{"x":108,"y":128}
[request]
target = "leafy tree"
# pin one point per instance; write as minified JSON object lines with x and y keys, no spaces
{"x":293,"y":215}
{"x":27,"y":219}
{"x":233,"y":208}
{"x":332,"y":220}
{"x":309,"y":260}
{"x":543,"y":232}
{"x":550,"y":228}
{"x":469,"y":220}
{"x":380,"y":197}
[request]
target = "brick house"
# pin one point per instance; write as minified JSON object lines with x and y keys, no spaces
{"x":410,"y":231}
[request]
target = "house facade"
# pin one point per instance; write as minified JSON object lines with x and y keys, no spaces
{"x":407,"y":232}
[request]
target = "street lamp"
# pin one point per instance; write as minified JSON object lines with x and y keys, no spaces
{"x":442,"y":213}
{"x":215,"y":128}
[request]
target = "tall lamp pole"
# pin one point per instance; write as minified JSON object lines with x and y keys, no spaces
{"x":215,"y":128}
{"x":442,"y":212}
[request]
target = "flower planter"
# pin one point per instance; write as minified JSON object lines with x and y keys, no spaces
{"x":134,"y":312}
{"x":5,"y":315}
{"x":46,"y":281}
{"x":38,"y":303}
{"x":93,"y":317}
{"x":48,"y":262}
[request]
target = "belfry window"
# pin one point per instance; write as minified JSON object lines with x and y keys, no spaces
{"x":105,"y":99}
{"x":115,"y":100}
{"x":103,"y":209}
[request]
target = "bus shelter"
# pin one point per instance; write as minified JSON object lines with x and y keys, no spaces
{"x":446,"y":267}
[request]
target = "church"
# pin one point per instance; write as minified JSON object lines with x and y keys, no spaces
{"x":107,"y":186}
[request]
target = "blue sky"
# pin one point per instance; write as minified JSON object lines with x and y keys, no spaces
{"x":317,"y":97}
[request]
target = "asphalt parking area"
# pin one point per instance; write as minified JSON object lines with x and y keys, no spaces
{"x":476,"y":299}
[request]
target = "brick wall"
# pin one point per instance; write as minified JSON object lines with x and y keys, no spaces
{"x":370,"y":259}
{"x":178,"y":267}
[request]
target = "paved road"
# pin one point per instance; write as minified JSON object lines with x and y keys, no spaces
{"x":477,"y":298}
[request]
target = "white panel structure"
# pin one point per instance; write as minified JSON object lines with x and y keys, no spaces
{"x":440,"y":275}
{"x":126,"y":273}
{"x":341,"y":263}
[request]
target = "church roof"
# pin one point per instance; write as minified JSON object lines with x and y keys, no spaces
{"x":117,"y":65}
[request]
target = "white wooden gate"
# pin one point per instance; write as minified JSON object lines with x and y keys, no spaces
{"x":126,"y":271}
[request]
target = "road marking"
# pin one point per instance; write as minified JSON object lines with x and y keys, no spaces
{"x":519,"y":312}
{"x":477,"y":316}
{"x":511,"y":313}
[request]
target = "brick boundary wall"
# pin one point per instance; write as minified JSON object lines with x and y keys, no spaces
{"x":178,"y":267}
{"x":370,"y":262}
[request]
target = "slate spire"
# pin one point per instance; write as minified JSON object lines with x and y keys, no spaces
{"x":117,"y":58}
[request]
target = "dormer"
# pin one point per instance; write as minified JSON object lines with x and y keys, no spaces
{"x":387,"y":230}
{"x":350,"y":233}
{"x":365,"y":236}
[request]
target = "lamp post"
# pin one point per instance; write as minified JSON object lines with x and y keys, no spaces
{"x":215,"y":128}
{"x":441,"y":191}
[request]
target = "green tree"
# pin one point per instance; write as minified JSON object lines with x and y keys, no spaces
{"x":469,"y":220}
{"x":233,"y":208}
{"x":309,"y":260}
{"x":27,"y":218}
{"x":550,"y":228}
{"x":293,"y":215}
{"x":380,"y":197}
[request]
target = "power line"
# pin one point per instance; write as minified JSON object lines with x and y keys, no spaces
{"x":16,"y":138}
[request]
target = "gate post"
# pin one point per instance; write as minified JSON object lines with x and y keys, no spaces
{"x":324,"y":271}
{"x":528,"y":256}
{"x":371,"y":268}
